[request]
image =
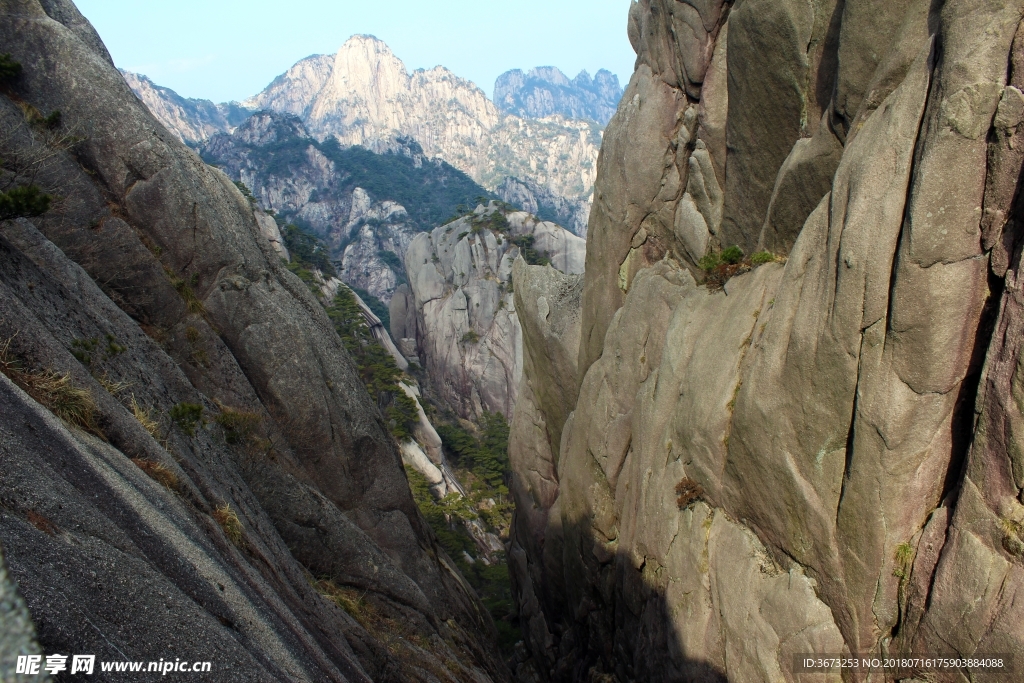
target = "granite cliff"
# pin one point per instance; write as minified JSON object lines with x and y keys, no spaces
{"x":192,"y":120}
{"x":190,"y":465}
{"x":457,"y":312}
{"x":781,"y":413}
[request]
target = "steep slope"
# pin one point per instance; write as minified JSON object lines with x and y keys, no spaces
{"x":546,"y":91}
{"x":352,"y":198}
{"x":364,"y":95}
{"x":191,"y":463}
{"x":814,"y":450}
{"x":457,"y":310}
{"x":193,"y":121}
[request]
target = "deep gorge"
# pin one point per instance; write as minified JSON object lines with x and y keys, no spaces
{"x":762,"y":398}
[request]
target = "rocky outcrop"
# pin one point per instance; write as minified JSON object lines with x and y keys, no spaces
{"x":459,"y":303}
{"x":818,"y":457}
{"x":364,"y":95}
{"x":193,"y":121}
{"x":190,"y":463}
{"x":318,"y":186}
{"x":546,"y":91}
{"x":572,"y":214}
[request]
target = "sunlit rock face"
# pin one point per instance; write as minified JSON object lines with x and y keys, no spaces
{"x":364,"y":95}
{"x":822,"y":454}
{"x":459,"y":305}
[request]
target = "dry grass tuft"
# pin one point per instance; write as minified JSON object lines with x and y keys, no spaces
{"x":348,"y":599}
{"x":56,"y":392}
{"x":145,"y":419}
{"x":689,"y":492}
{"x":230,"y":523}
{"x":159,"y":473}
{"x":113,"y":388}
{"x":1012,"y":534}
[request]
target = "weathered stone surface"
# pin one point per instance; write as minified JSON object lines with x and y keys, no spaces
{"x":468,"y":333}
{"x":572,"y":214}
{"x":776,"y":97}
{"x":780,"y":466}
{"x":318,"y":489}
{"x":805,"y":177}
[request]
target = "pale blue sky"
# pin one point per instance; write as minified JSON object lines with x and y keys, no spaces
{"x":229,"y":49}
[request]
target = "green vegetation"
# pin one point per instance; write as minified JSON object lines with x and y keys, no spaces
{"x":377,"y":369}
{"x":530,"y":255}
{"x":392,"y":261}
{"x":732,"y":255}
{"x":238,"y":425}
{"x":486,"y":458}
{"x":244,"y":189}
{"x":495,"y":221}
{"x":26,"y":201}
{"x":471,"y":337}
{"x":187,"y":416}
{"x":9,"y":69}
{"x":903,"y":559}
{"x":89,"y":350}
{"x":379,"y":308}
{"x":307,"y":250}
{"x":429,"y":192}
{"x":483,"y":466}
{"x":761,"y":258}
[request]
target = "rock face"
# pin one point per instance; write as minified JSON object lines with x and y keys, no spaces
{"x":572,"y":214}
{"x":365,"y":96}
{"x":822,"y":456}
{"x":193,"y":121}
{"x":546,"y":91}
{"x":459,"y":306}
{"x":317,"y":186}
{"x":220,"y":484}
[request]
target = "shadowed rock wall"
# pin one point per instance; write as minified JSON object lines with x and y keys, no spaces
{"x":275,"y":534}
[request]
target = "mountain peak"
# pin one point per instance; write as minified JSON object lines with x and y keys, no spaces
{"x":546,"y":91}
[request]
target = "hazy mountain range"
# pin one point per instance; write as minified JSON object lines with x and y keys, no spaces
{"x":546,"y":133}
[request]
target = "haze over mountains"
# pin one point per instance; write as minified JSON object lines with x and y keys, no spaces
{"x":546,"y":133}
{"x":546,"y":91}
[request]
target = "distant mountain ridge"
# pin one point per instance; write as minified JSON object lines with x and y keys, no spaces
{"x":190,"y":119}
{"x":546,"y":91}
{"x":364,"y":95}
